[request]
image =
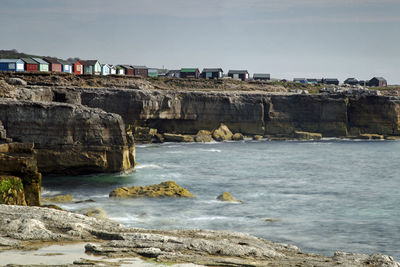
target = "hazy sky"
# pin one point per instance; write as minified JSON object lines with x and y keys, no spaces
{"x":287,"y":38}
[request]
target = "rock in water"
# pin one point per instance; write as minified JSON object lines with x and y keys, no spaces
{"x":203,"y":136}
{"x":177,"y":138}
{"x":307,"y":136}
{"x":257,"y":137}
{"x":227,"y":197}
{"x":57,"y":199}
{"x":238,"y":137}
{"x":94,"y":212}
{"x":370,"y":136}
{"x":222,"y":133}
{"x":165,"y":189}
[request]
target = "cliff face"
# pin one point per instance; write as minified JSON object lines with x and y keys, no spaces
{"x":250,"y":113}
{"x":69,"y":138}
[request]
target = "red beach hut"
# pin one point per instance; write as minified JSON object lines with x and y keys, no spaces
{"x":30,"y":64}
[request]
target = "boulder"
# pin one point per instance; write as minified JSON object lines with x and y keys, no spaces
{"x":16,"y":81}
{"x":257,"y":137}
{"x":178,"y":138}
{"x":227,"y":197}
{"x":144,"y":134}
{"x":222,"y":133}
{"x":57,"y":199}
{"x":203,"y":136}
{"x":307,"y":136}
{"x":238,"y":137}
{"x":165,"y":189}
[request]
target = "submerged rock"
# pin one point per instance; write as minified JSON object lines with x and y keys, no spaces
{"x":227,"y":197}
{"x":203,"y":136}
{"x":165,"y":189}
{"x":95,"y":212}
{"x":222,"y":133}
{"x":57,"y":199}
{"x":307,"y":136}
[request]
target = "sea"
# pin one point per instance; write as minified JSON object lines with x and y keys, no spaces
{"x":322,"y":196}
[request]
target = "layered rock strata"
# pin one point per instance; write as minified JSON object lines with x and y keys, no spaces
{"x":251,"y":113}
{"x":69,"y":138}
{"x":24,"y":227}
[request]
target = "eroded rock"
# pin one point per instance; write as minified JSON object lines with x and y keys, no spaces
{"x":165,"y":189}
{"x":203,"y":136}
{"x":238,"y":137}
{"x":222,"y":133}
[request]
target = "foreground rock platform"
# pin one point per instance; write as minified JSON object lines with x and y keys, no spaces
{"x":26,"y":227}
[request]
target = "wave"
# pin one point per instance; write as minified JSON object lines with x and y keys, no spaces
{"x":211,"y":150}
{"x":148,"y":166}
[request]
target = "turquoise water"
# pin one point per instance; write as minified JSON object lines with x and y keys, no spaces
{"x":330,"y":195}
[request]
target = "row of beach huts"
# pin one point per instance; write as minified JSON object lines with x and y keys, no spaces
{"x":94,"y":67}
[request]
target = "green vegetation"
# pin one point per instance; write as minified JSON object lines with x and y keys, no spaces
{"x":14,"y":54}
{"x":9,"y":182}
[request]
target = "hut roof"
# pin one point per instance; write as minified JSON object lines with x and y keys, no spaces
{"x":40,"y":61}
{"x":28,"y":60}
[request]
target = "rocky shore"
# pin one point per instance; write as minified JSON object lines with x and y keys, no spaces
{"x":27,"y":227}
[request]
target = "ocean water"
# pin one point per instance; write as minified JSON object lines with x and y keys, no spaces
{"x":323,"y":196}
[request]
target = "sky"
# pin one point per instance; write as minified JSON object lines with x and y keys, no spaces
{"x":286,"y":38}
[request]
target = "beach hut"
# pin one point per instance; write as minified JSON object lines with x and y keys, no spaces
{"x":189,"y":73}
{"x":30,"y":64}
{"x":92,"y":67}
{"x":77,"y":67}
{"x":209,"y":73}
{"x":239,"y":74}
{"x":152,"y":72}
{"x":105,"y":69}
{"x":378,"y":82}
{"x":262,"y":76}
{"x":113,"y":70}
{"x":12,"y":65}
{"x":65,"y":66}
{"x":351,"y":81}
{"x":332,"y":81}
{"x":54,"y":65}
{"x":43,"y":65}
{"x":140,"y":70}
{"x":120,"y":70}
{"x":128,"y":70}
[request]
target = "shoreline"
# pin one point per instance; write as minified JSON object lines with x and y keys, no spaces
{"x":204,"y":247}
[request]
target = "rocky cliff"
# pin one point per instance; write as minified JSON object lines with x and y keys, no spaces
{"x":69,"y":138}
{"x":250,"y":112}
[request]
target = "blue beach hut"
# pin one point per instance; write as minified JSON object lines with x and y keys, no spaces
{"x":66,"y":66}
{"x":12,"y":65}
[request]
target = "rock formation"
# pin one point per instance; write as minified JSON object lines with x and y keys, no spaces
{"x":69,"y":138}
{"x":25,"y":227}
{"x":165,"y":189}
{"x":222,"y":133}
{"x":227,"y":197}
